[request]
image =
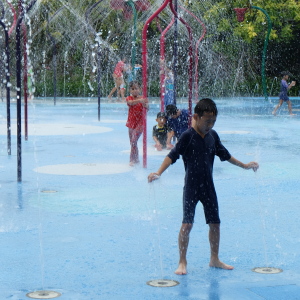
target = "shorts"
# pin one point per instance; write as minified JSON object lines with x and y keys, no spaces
{"x":210,"y":206}
{"x":284,"y":97}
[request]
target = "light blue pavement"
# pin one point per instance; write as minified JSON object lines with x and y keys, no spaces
{"x":85,"y":224}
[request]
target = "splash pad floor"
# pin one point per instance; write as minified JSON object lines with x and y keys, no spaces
{"x":86,"y":225}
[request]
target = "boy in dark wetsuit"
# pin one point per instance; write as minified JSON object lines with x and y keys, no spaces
{"x":161,"y":133}
{"x":198,"y":147}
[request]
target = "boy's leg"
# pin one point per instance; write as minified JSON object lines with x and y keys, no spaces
{"x":214,"y":240}
{"x":278,"y":105}
{"x":290,"y":107}
{"x":183,"y":242}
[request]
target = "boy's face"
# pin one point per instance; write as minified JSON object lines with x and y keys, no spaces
{"x":205,"y":123}
{"x":175,"y":116}
{"x":161,"y":121}
{"x":286,"y":77}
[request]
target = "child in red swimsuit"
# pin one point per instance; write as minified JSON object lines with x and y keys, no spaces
{"x":136,"y":104}
{"x":118,"y":78}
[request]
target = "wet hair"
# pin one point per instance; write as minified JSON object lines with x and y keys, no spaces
{"x":171,"y":110}
{"x":160,"y":115}
{"x":283,"y":73}
{"x":134,"y":83}
{"x":206,"y":105}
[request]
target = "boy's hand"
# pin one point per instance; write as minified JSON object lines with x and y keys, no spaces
{"x":252,"y":165}
{"x":293,"y":83}
{"x":158,"y":147}
{"x":152,"y":177}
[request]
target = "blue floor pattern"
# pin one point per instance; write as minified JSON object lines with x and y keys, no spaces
{"x":86,"y":225}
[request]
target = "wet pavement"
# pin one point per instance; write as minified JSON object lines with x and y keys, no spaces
{"x":85,"y":224}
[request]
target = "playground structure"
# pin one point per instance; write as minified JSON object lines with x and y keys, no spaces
{"x":28,"y":10}
{"x":134,"y":15}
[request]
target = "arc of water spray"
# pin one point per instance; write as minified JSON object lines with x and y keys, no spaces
{"x":19,"y":85}
{"x":7,"y":74}
{"x":133,"y":47}
{"x":25,"y":79}
{"x":196,"y":49}
{"x":97,"y":38}
{"x":190,"y":95}
{"x":162,"y":58}
{"x":53,"y":40}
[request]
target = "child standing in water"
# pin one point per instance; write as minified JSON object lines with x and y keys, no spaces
{"x":169,"y":96}
{"x":198,"y":147}
{"x":136,"y":105}
{"x":283,"y":96}
{"x":119,"y":79}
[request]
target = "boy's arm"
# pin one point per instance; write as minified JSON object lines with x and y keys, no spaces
{"x":164,"y":166}
{"x":293,"y":83}
{"x":156,"y":140}
{"x":251,"y":165}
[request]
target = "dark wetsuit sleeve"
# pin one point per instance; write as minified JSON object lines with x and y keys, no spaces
{"x":221,"y":151}
{"x":180,"y":147}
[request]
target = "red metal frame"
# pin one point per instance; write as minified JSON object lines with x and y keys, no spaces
{"x":144,"y":71}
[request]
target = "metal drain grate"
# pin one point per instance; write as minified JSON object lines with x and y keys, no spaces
{"x":43,"y":295}
{"x":49,"y":191}
{"x":162,"y":283}
{"x":267,"y":270}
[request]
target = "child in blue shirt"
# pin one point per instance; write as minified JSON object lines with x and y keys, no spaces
{"x":178,"y":119}
{"x":283,"y":95}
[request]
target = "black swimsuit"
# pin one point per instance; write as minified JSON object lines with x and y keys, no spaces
{"x":198,"y":156}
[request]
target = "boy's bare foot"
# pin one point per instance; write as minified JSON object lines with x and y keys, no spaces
{"x":292,"y":114}
{"x":181,"y":270}
{"x":219,"y":264}
{"x":273,"y":113}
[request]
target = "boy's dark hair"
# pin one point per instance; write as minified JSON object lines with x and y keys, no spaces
{"x":160,"y":115}
{"x":134,"y":83}
{"x":171,"y":110}
{"x":206,"y":105}
{"x":283,"y":73}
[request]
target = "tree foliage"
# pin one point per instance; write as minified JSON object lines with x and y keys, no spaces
{"x":229,"y":56}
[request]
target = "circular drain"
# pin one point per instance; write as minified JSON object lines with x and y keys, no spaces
{"x":162,"y":283}
{"x":267,"y":270}
{"x":43,"y":295}
{"x":49,"y":191}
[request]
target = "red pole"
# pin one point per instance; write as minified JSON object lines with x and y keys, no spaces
{"x":15,"y":18}
{"x":196,"y":50}
{"x":190,"y":59}
{"x":162,"y":58}
{"x":145,"y":77}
